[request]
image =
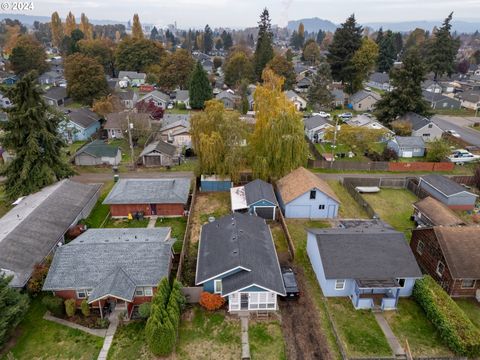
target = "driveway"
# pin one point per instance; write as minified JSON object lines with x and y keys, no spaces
{"x":460,"y":125}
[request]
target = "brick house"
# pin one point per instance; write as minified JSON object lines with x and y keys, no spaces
{"x":450,"y":255}
{"x":162,"y":197}
{"x":118,"y":268}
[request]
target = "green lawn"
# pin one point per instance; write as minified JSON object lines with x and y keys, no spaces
{"x":395,"y":207}
{"x":125,"y":223}
{"x":349,"y":208}
{"x":358,"y":330}
{"x":129,"y":343}
{"x":178,"y":225}
{"x":218,"y":205}
{"x":73,"y":148}
{"x":266,"y":341}
{"x":472,"y":308}
{"x":100,"y":211}
{"x":279,"y":237}
{"x":42,"y":339}
{"x":326,"y":148}
{"x":410,"y":323}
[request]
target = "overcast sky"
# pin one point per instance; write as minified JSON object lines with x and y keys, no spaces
{"x":244,"y":13}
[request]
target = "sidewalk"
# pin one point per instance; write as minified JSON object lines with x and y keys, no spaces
{"x":391,"y":338}
{"x":245,"y":343}
{"x":107,"y":343}
{"x":95,"y":332}
{"x":151,"y":222}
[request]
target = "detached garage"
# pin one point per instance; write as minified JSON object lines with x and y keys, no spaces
{"x":256,"y":198}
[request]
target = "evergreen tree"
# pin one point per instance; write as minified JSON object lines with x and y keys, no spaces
{"x":398,"y":42}
{"x":137,"y":32}
{"x":320,"y":36}
{"x":346,"y":41}
{"x":386,"y":52}
{"x":442,"y":50}
{"x":154,"y":34}
{"x":13,"y":306}
{"x":70,"y":24}
{"x":32,"y":134}
{"x":319,"y":96}
{"x":207,"y":40}
{"x":379,"y":37}
{"x":57,"y":29}
{"x":226,"y":40}
{"x":264,"y":49}
{"x":200,"y":89}
{"x":70,"y":43}
{"x":407,"y":91}
{"x":298,"y":37}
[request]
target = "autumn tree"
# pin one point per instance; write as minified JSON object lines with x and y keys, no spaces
{"x":364,"y":61}
{"x":31,"y":133}
{"x":238,"y":66}
{"x":438,"y":150}
{"x":137,"y":55}
{"x":86,"y":27}
{"x":416,"y":39}
{"x":57,"y":29}
{"x":360,"y":139}
{"x":28,"y":55}
{"x":311,"y":52}
{"x":176,"y":70}
{"x":10,"y":37}
{"x":319,"y":95}
{"x":200,"y":90}
{"x":101,"y":50}
{"x":106,"y":105}
{"x":401,"y":127}
{"x":298,"y":37}
{"x":70,"y":24}
{"x":137,"y":32}
{"x":70,"y":44}
{"x":264,"y":49}
{"x":281,"y":66}
{"x":85,"y":78}
{"x":277,"y":145}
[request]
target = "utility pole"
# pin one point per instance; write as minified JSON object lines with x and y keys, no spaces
{"x":129,"y":129}
{"x":334,"y":141}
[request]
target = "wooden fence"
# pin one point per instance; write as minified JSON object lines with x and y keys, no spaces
{"x":360,"y":200}
{"x":192,"y":293}
{"x":291,"y":246}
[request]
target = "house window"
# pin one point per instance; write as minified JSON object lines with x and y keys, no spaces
{"x":217,"y":286}
{"x":139,"y":291}
{"x":468,"y":283}
{"x":313,"y":194}
{"x":148,"y":291}
{"x":339,"y":284}
{"x":426,"y":135}
{"x":420,"y":247}
{"x":83,"y":293}
{"x":430,"y":126}
{"x":440,"y":268}
{"x":321,"y":207}
{"x":401,"y":282}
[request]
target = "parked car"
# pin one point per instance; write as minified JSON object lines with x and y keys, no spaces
{"x":291,"y":286}
{"x":461,"y":156}
{"x":323,"y":114}
{"x":346,"y":115}
{"x":170,"y":106}
{"x":453,"y":133}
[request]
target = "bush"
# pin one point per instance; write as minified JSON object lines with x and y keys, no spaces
{"x":70,"y":307}
{"x":437,"y":150}
{"x":54,"y":305}
{"x":211,"y":301}
{"x":102,"y":323}
{"x":40,"y":271}
{"x":144,"y":310}
{"x":455,"y":328}
{"x":181,"y":106}
{"x":85,"y":308}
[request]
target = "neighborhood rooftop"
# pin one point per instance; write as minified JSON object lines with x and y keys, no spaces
{"x":99,"y":148}
{"x":443,"y":184}
{"x":161,"y":147}
{"x":437,"y":212}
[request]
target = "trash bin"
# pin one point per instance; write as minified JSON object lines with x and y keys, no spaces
{"x":116,"y":177}
{"x":115,"y":169}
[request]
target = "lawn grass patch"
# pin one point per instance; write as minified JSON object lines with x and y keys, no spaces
{"x":100,"y":211}
{"x":218,"y":205}
{"x":358,"y":330}
{"x":410,"y":323}
{"x":266,"y":341}
{"x":129,"y":343}
{"x":178,"y":225}
{"x":125,"y":223}
{"x":42,"y":339}
{"x":279,"y":237}
{"x":349,"y":208}
{"x":395,"y":207}
{"x":471,"y":308}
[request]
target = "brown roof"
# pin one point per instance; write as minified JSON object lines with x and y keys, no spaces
{"x":437,"y":212}
{"x":114,"y":120}
{"x":298,"y":182}
{"x":461,"y":249}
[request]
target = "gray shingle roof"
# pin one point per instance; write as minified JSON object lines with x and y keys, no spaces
{"x":112,"y":261}
{"x":83,"y":117}
{"x":161,"y":147}
{"x":417,"y":121}
{"x":234,"y":241}
{"x":156,"y":94}
{"x":131,"y":75}
{"x":149,"y":191}
{"x":99,"y":148}
{"x":365,"y":254}
{"x":443,"y":184}
{"x":32,"y":228}
{"x":182,"y":95}
{"x":56,"y":93}
{"x":315,"y":121}
{"x":410,"y":141}
{"x":378,"y":77}
{"x":257,"y":190}
{"x":363,"y":94}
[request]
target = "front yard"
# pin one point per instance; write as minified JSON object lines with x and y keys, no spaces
{"x":36,"y":338}
{"x":471,"y":308}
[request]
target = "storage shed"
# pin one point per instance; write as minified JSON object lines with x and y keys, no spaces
{"x":215,"y":183}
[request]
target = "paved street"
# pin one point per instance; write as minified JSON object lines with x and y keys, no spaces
{"x":460,"y":125}
{"x":104,"y":177}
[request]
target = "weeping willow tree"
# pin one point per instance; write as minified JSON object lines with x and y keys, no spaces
{"x":219,"y":139}
{"x":277,"y":145}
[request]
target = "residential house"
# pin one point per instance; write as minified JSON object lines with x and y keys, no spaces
{"x":364,"y":100}
{"x":37,"y":224}
{"x":177,"y":132}
{"x":127,"y":97}
{"x":303,"y":195}
{"x":183,"y":97}
{"x":116,"y":123}
{"x":50,"y":78}
{"x":55,"y":96}
{"x":430,"y":212}
{"x":470,"y":99}
{"x":9,"y":79}
{"x":422,"y":126}
{"x":432,"y":86}
{"x":98,"y":153}
{"x":316,"y":127}
{"x":439,"y":101}
{"x":131,"y":78}
{"x":299,"y":102}
{"x":80,"y":124}
{"x":159,"y":98}
{"x":237,"y":260}
{"x":449,"y":254}
{"x":373,"y":266}
{"x":256,"y":198}
{"x":367,"y":121}
{"x":4,"y":102}
{"x":160,"y":153}
{"x":303,"y":84}
{"x":115,"y":268}
{"x":207,"y":65}
{"x":339,"y":97}
{"x":448,"y":192}
{"x":162,"y":197}
{"x":229,"y":99}
{"x":379,"y":81}
{"x":407,"y":146}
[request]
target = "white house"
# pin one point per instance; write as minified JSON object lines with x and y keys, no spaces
{"x":299,"y":102}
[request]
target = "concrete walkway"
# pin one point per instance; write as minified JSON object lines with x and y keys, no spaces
{"x":112,"y":328}
{"x":245,"y":343}
{"x":151,"y":222}
{"x":391,"y":338}
{"x":95,"y":332}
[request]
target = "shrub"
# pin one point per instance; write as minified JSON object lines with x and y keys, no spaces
{"x":54,"y":305}
{"x":144,"y":310}
{"x":40,"y":271}
{"x":455,"y":328}
{"x":102,"y":323}
{"x":181,"y":106}
{"x":85,"y":308}
{"x":211,"y":301}
{"x":389,"y":154}
{"x":437,"y":150}
{"x":70,"y":307}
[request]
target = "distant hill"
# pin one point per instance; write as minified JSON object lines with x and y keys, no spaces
{"x":29,"y":19}
{"x":406,"y":26}
{"x":312,"y":25}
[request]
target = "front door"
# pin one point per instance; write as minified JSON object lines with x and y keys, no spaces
{"x":331,"y":211}
{"x":153,"y":209}
{"x":244,"y":301}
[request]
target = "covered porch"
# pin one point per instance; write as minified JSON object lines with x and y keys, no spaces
{"x":109,"y":303}
{"x":252,"y":301}
{"x":380,"y":294}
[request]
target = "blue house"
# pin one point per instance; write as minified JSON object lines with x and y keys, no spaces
{"x":257,"y":198}
{"x":237,"y":260}
{"x":10,"y":80}
{"x":303,"y":195}
{"x":407,"y":146}
{"x":373,"y":266}
{"x":80,"y":124}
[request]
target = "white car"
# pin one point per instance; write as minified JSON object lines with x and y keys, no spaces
{"x":322,"y":114}
{"x":462,"y":156}
{"x":453,"y":133}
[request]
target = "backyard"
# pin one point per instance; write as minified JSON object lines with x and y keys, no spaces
{"x":178,"y":225}
{"x":100,"y":211}
{"x":349,"y":208}
{"x":326,"y":148}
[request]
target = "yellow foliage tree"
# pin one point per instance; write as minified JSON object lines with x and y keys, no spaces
{"x":70,"y":24}
{"x":57,"y":29}
{"x":86,"y":27}
{"x":137,"y":32}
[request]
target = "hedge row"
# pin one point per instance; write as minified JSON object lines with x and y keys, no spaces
{"x":454,"y":327}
